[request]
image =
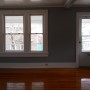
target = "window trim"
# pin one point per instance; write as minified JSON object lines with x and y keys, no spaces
{"x":27,"y":28}
{"x":79,"y":16}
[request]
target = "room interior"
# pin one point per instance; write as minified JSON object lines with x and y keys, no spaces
{"x":66,"y":65}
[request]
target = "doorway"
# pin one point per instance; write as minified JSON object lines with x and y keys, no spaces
{"x":83,"y":40}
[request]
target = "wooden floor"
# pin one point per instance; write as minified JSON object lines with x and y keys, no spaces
{"x":45,"y":79}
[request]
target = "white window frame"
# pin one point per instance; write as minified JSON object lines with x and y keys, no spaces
{"x":27,"y":28}
{"x":79,"y":16}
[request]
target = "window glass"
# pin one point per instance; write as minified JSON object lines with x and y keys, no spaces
{"x":37,"y":33}
{"x":85,"y":32}
{"x":14,"y":38}
{"x":37,"y":24}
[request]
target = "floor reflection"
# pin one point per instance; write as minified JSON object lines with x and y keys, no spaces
{"x":15,"y":86}
{"x":37,"y":85}
{"x":85,"y":84}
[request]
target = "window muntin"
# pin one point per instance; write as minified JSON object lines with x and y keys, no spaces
{"x":36,"y":32}
{"x":14,"y":33}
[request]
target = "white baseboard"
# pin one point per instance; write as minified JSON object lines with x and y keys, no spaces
{"x":38,"y":65}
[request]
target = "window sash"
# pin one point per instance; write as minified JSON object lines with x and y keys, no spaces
{"x":35,"y":33}
{"x":14,"y":33}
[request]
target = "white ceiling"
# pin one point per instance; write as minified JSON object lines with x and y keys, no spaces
{"x":82,"y":2}
{"x":43,"y":3}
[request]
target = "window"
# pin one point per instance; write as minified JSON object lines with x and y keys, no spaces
{"x":24,"y":33}
{"x":83,"y":25}
{"x":14,"y":35}
{"x":37,"y":33}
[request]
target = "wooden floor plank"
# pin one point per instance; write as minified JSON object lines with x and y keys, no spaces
{"x":47,"y":79}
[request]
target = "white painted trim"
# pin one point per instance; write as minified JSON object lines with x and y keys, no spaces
{"x":38,"y":65}
{"x":77,"y":39}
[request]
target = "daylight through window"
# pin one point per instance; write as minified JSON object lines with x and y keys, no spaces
{"x":24,"y":33}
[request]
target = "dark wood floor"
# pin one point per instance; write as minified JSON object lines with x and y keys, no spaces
{"x":45,"y":79}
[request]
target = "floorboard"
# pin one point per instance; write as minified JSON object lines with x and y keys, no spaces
{"x":45,"y":79}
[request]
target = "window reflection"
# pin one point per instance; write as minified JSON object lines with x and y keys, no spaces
{"x":15,"y":86}
{"x":37,"y":85}
{"x":85,"y":84}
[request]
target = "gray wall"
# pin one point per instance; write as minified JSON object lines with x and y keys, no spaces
{"x":62,"y":37}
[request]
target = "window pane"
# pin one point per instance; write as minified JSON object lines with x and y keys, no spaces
{"x":85,"y":32}
{"x":36,"y":42}
{"x":86,"y":46}
{"x":14,"y":24}
{"x":14,"y":42}
{"x":37,"y":24}
{"x":86,"y":38}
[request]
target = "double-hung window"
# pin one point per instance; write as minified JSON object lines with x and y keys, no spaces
{"x":14,"y":33}
{"x":36,"y":33}
{"x":24,"y":33}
